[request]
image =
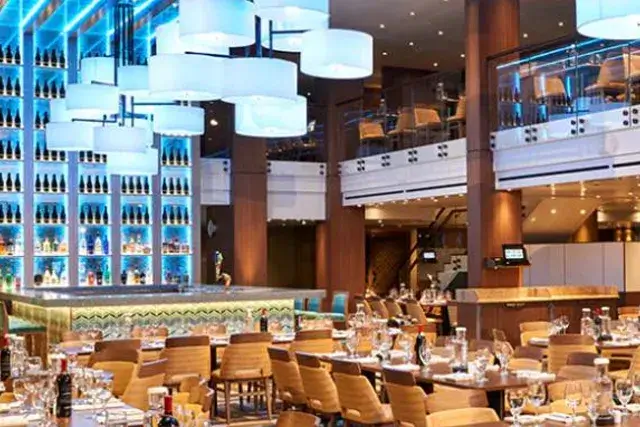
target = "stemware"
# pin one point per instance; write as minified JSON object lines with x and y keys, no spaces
{"x":503,"y":353}
{"x":573,"y":398}
{"x":405,"y":342}
{"x":103,"y":395}
{"x":636,"y":383}
{"x":21,"y":392}
{"x":352,"y":342}
{"x":624,"y":393}
{"x":516,"y":399}
{"x":590,"y":397}
{"x":537,"y":395}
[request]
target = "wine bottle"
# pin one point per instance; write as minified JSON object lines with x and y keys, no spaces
{"x":178,"y":215}
{"x":8,"y":89}
{"x":2,"y":188}
{"x":165,"y":189}
{"x":38,"y":60}
{"x":8,"y":118}
{"x":46,"y":217}
{"x":89,"y":185}
{"x":5,"y":359}
{"x":164,"y":157}
{"x":172,"y":158}
{"x":9,"y":184}
{"x":54,"y":58}
{"x":45,"y":58}
{"x":17,"y":184}
{"x":132,"y":215}
{"x":146,"y":185}
{"x":45,"y":183}
{"x":179,"y":186}
{"x":62,"y":92}
{"x":172,"y":188}
{"x":38,"y":154}
{"x":18,"y":215}
{"x":123,"y":185}
{"x":125,"y":217}
{"x":63,"y":184}
{"x":45,"y":90}
{"x":64,"y":392}
{"x":2,"y":217}
{"x":164,"y":215}
{"x":38,"y":216}
{"x":63,"y":215}
{"x":17,"y":121}
{"x":185,"y":217}
{"x":105,"y":216}
{"x":97,"y":185}
{"x":54,"y":184}
{"x":421,"y":341}
{"x":138,"y":185}
{"x":46,"y":156}
{"x":2,"y":90}
{"x":167,"y":419}
{"x":185,"y":188}
{"x":99,"y":276}
{"x":172,"y":215}
{"x":8,"y":55}
{"x":62,"y":62}
{"x":147,"y":219}
{"x":17,"y":89}
{"x":55,"y":218}
{"x":17,"y":58}
{"x":17,"y":152}
{"x":38,"y":122}
{"x":9,"y":214}
{"x":105,"y":185}
{"x":131,"y":186}
{"x":81,"y":184}
{"x":54,"y":90}
{"x":123,"y":277}
{"x":264,"y":321}
{"x":139,"y":215}
{"x":45,"y":121}
{"x":83,"y":217}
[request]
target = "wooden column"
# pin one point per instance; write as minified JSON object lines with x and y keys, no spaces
{"x":340,"y":239}
{"x":241,"y":233}
{"x":494,"y":217}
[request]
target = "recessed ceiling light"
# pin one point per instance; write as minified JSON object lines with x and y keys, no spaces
{"x":533,"y":219}
{"x":553,"y":211}
{"x":385,"y":53}
{"x":560,"y":24}
{"x":411,"y":43}
{"x":583,"y":211}
{"x":308,"y":93}
{"x":213,"y":122}
{"x":440,"y":32}
{"x":435,"y":64}
{"x":412,"y":13}
{"x":382,"y":26}
{"x":525,"y":35}
{"x":597,"y":196}
{"x":462,"y":55}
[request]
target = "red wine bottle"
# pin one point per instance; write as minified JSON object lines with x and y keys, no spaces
{"x":5,"y":359}
{"x":421,"y":341}
{"x":63,"y":385}
{"x":264,"y":321}
{"x":168,"y":420}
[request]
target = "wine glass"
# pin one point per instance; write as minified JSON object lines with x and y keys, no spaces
{"x":537,"y":395}
{"x":572,"y":397}
{"x":516,"y":403}
{"x":503,"y":352}
{"x":21,"y":392}
{"x":624,"y":393}
{"x":590,"y":397}
{"x":405,"y":342}
{"x":103,"y":395}
{"x":636,"y":383}
{"x":33,"y":364}
{"x":352,"y":342}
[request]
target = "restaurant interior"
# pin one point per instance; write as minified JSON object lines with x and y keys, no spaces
{"x":319,"y":213}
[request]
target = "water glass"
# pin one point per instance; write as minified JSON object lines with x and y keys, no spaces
{"x":516,"y":399}
{"x":573,"y":398}
{"x":624,"y":392}
{"x":590,"y":397}
{"x":352,"y":342}
{"x":425,"y":354}
{"x":537,"y":395}
{"x":405,"y":342}
{"x":21,"y":392}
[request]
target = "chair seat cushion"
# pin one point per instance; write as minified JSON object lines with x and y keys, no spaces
{"x":385,"y":416}
{"x":241,"y":375}
{"x":18,"y":325}
{"x":175,"y":380}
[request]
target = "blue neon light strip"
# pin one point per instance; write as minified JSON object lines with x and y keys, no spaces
{"x":551,"y":52}
{"x":32,"y":12}
{"x":80,"y":16}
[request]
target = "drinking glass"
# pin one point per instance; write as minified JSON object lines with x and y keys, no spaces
{"x":103,"y":395}
{"x":624,"y":393}
{"x":21,"y":392}
{"x":537,"y":395}
{"x":386,"y":342}
{"x":503,"y":352}
{"x":352,"y":342}
{"x":481,"y":362}
{"x":590,"y":397}
{"x":116,"y":419}
{"x":33,"y":364}
{"x":636,"y":383}
{"x":572,"y":397}
{"x":516,"y":403}
{"x":405,"y":342}
{"x":564,"y":323}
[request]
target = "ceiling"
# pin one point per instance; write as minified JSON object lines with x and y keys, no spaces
{"x":408,"y":33}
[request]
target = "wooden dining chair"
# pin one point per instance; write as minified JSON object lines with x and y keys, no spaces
{"x":188,"y":356}
{"x":535,"y":326}
{"x":414,"y":309}
{"x":556,"y":395}
{"x":313,"y":341}
{"x":297,"y":419}
{"x":528,"y":352}
{"x":634,"y":366}
{"x":360,"y":299}
{"x":458,"y":121}
{"x":560,"y":346}
{"x":577,"y":372}
{"x":407,"y":399}
{"x":146,"y":376}
{"x":524,"y":364}
{"x":456,"y":399}
{"x":462,"y":417}
{"x":629,"y":312}
{"x":393,"y":307}
{"x":378,"y":307}
{"x":245,"y":362}
{"x":151,"y":332}
{"x":429,"y":330}
{"x":581,"y":358}
{"x":117,"y":344}
{"x":286,"y":377}
{"x":121,"y":362}
{"x":319,"y":388}
{"x":196,"y":397}
{"x":359,"y":402}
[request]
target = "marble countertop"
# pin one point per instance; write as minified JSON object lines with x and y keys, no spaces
{"x":534,"y":294}
{"x":151,"y":294}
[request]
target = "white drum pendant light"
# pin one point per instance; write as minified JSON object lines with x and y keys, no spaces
{"x":226,"y":23}
{"x":133,"y":80}
{"x":272,"y":121}
{"x":168,"y":41}
{"x":337,"y":54}
{"x":290,"y":42}
{"x":186,"y":77}
{"x":292,"y":10}
{"x":178,"y":120}
{"x":97,"y":70}
{"x":90,"y":100}
{"x":609,"y":19}
{"x":69,"y":136}
{"x":260,"y":81}
{"x":144,"y":163}
{"x":121,"y":139}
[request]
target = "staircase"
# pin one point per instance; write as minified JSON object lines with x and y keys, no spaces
{"x":456,"y":264}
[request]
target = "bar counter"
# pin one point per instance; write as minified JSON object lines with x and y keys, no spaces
{"x":115,"y":308}
{"x":483,"y":309}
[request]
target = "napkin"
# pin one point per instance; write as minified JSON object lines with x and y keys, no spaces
{"x":458,"y":376}
{"x":563,"y":418}
{"x":134,"y":416}
{"x":18,"y":420}
{"x":6,"y":407}
{"x":523,"y":419}
{"x":338,"y":334}
{"x":113,"y":403}
{"x":404,"y":367}
{"x":367,"y":360}
{"x":535,"y":375}
{"x":634,"y":408}
{"x":539,"y":340}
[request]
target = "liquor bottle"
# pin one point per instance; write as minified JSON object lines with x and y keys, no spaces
{"x":172,"y":188}
{"x":17,"y":89}
{"x":54,"y":184}
{"x":165,"y":189}
{"x":123,"y":277}
{"x":63,"y":184}
{"x":5,"y":359}
{"x":146,"y":185}
{"x":63,"y":215}
{"x":97,"y":185}
{"x":81,"y":184}
{"x":123,"y":185}
{"x":17,"y":151}
{"x":105,"y":185}
{"x":264,"y":321}
{"x":9,"y":87}
{"x":82,"y":250}
{"x":107,"y":274}
{"x":9,"y":185}
{"x":45,"y":58}
{"x":18,"y":215}
{"x":99,"y":276}
{"x":64,"y":392}
{"x":45,"y":183}
{"x":17,"y":58}
{"x":89,"y":185}
{"x":38,"y":60}
{"x":54,"y":59}
{"x":38,"y":216}
{"x":147,"y":219}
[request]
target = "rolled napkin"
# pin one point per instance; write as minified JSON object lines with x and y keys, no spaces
{"x":535,"y":375}
{"x":559,"y":417}
{"x":438,"y":359}
{"x":113,"y":403}
{"x":634,"y":408}
{"x":394,"y":331}
{"x":18,"y":420}
{"x":615,"y":344}
{"x":458,"y":376}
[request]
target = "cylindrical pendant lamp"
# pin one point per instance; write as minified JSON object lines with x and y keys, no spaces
{"x":260,"y":81}
{"x":272,"y":121}
{"x":609,"y":19}
{"x":227,"y":23}
{"x":337,"y":54}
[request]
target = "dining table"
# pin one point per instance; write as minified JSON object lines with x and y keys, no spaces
{"x":79,"y":418}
